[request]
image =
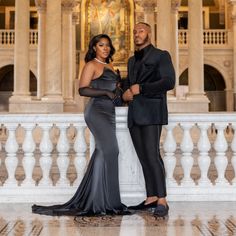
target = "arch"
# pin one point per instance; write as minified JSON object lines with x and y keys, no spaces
{"x":83,"y":20}
{"x":7,"y":79}
{"x":217,"y":66}
{"x":214,"y":87}
{"x":6,"y":61}
{"x":213,"y":79}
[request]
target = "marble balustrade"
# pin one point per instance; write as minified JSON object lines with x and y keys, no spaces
{"x":199,"y":152}
{"x":210,"y":37}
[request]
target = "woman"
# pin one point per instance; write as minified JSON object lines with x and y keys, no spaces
{"x":98,"y":193}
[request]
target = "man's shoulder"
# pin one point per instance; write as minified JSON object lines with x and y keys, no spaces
{"x":161,"y":51}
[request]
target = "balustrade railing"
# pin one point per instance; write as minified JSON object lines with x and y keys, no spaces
{"x":7,"y":37}
{"x":43,"y":157}
{"x":210,"y":37}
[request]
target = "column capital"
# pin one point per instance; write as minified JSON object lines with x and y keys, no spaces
{"x":68,"y":5}
{"x":149,"y":5}
{"x":175,"y":4}
{"x":41,"y":4}
{"x":233,"y":12}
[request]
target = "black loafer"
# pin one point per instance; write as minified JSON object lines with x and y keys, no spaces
{"x":161,"y":210}
{"x":142,"y":206}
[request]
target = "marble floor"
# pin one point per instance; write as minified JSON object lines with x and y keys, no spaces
{"x":185,"y":219}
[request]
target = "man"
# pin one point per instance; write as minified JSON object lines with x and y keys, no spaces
{"x":150,"y":76}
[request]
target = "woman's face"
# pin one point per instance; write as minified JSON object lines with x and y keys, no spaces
{"x":102,"y":49}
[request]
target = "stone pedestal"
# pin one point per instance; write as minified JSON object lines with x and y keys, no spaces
{"x":43,"y":105}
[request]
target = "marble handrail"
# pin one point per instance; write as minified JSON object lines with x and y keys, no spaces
{"x":43,"y":157}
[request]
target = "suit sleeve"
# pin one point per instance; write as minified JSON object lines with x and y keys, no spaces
{"x":126,"y":82}
{"x":167,"y":77}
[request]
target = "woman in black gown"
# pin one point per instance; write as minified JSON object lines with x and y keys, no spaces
{"x":98,"y":193}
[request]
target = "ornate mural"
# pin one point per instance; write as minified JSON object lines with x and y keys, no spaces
{"x":110,"y":17}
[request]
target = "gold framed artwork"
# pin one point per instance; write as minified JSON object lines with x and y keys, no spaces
{"x":111,"y":17}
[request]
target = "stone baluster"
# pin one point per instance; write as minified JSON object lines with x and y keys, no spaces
{"x":62,"y":160}
{"x":169,"y":159}
{"x":221,"y":160}
{"x":80,"y":148}
{"x":233,"y":160}
{"x":204,"y":159}
{"x":11,"y":148}
{"x":187,"y":159}
{"x":46,"y":148}
{"x":28,"y":160}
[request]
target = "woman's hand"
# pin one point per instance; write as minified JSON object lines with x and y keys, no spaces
{"x":111,"y":95}
{"x":128,"y":95}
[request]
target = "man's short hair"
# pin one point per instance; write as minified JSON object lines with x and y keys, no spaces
{"x":144,"y":23}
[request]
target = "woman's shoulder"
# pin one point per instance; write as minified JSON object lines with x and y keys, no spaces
{"x":90,"y":65}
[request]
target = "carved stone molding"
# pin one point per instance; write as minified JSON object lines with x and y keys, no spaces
{"x":41,"y":4}
{"x":68,"y":5}
{"x":148,"y":5}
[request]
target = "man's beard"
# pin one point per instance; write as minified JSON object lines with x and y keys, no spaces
{"x":144,"y":41}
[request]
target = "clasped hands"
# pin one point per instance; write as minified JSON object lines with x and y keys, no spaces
{"x":129,"y":93}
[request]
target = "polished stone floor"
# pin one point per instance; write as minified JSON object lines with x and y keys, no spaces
{"x":185,"y":219}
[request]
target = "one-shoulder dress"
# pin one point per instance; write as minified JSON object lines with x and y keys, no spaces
{"x":98,"y":192}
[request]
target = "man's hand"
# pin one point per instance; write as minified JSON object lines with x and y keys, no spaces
{"x":135,"y":89}
{"x":127,"y":96}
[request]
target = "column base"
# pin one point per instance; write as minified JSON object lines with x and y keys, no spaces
{"x":70,"y":105}
{"x":33,"y":105}
{"x":189,"y":104}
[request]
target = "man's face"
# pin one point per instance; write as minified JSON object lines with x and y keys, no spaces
{"x":141,"y":34}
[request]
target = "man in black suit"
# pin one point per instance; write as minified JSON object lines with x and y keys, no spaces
{"x":150,"y":76}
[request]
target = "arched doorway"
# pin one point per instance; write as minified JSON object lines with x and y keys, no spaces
{"x":7,"y":85}
{"x":214,"y":87}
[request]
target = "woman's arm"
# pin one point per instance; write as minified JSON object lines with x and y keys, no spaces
{"x":84,"y":85}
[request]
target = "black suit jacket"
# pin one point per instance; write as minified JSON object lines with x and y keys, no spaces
{"x":156,"y":76}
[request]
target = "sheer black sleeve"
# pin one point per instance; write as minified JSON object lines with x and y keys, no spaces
{"x":92,"y":92}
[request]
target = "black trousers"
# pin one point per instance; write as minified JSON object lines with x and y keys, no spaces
{"x":146,"y":140}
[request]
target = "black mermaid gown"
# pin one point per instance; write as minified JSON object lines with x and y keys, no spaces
{"x":98,"y":193}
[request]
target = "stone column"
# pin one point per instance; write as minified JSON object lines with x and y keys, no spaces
{"x":175,"y":44}
{"x":75,"y":21}
{"x":149,"y":16}
{"x":67,"y":52}
{"x":196,"y":63}
{"x":164,"y":25}
{"x":195,"y":32}
{"x":21,"y":55}
{"x":196,"y":101}
{"x":233,"y":13}
{"x":53,"y":86}
{"x":41,"y":6}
